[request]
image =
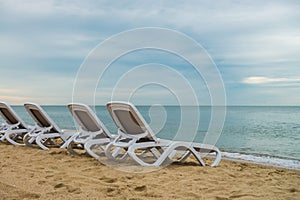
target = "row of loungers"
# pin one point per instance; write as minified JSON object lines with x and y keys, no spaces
{"x":135,"y":139}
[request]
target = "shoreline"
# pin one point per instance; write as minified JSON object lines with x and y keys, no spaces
{"x":31,"y":173}
{"x":260,"y":164}
{"x":261,"y":159}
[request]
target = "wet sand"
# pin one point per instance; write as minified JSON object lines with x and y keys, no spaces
{"x":31,"y":173}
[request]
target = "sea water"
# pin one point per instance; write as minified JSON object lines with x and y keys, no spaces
{"x":262,"y":134}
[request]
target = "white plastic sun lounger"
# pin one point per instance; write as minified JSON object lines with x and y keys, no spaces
{"x":47,"y":131}
{"x":136,"y":135}
{"x":92,"y":133}
{"x":14,"y":128}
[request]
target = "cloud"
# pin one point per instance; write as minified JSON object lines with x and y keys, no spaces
{"x":252,"y":38}
{"x":259,"y":80}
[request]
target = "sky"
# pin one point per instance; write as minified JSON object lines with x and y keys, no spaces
{"x":254,"y":44}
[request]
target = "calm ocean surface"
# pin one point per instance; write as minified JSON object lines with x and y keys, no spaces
{"x":269,"y":135}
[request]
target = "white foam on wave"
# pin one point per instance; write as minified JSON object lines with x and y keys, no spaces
{"x":267,"y":160}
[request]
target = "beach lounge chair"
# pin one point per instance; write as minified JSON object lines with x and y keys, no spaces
{"x":135,"y":135}
{"x":47,"y":132}
{"x":14,"y":128}
{"x":92,"y":133}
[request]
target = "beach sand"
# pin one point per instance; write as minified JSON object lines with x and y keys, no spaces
{"x":31,"y":173}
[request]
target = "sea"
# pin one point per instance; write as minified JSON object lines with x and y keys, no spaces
{"x":267,"y":135}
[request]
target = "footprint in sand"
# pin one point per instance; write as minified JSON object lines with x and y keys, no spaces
{"x":140,"y":188}
{"x":69,"y":188}
{"x":41,"y":182}
{"x":59,"y":185}
{"x":292,"y":190}
{"x":108,"y":180}
{"x":74,"y":190}
{"x":31,"y":196}
{"x":49,"y":176}
{"x":112,"y":191}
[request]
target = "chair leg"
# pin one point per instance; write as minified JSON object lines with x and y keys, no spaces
{"x":39,"y":142}
{"x":66,"y":143}
{"x":72,"y":150}
{"x":13,"y":139}
{"x":88,"y":146}
{"x":116,"y":152}
{"x":28,"y":140}
{"x":154,"y":152}
{"x":39,"y":139}
{"x":185,"y":156}
{"x":166,"y":154}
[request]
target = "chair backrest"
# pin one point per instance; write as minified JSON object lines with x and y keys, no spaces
{"x":129,"y":120}
{"x":86,"y":118}
{"x":10,"y":116}
{"x":41,"y":117}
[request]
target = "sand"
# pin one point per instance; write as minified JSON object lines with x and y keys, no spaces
{"x":31,"y":173}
